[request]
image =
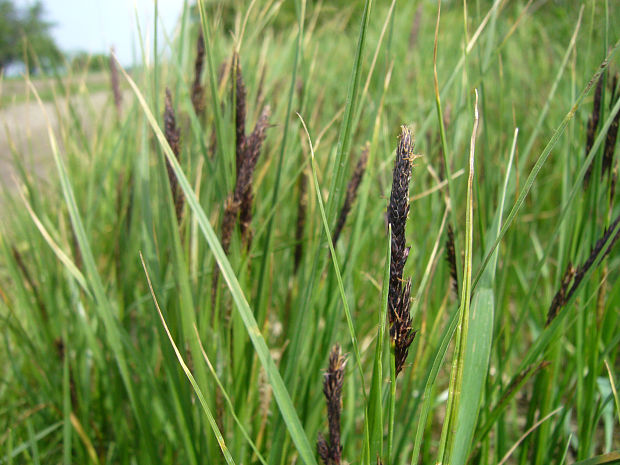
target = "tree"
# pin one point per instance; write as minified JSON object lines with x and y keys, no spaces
{"x":9,"y":33}
{"x":25,"y":36}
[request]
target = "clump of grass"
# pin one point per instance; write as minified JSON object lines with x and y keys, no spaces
{"x":96,"y":379}
{"x":333,"y":381}
{"x":401,"y":332}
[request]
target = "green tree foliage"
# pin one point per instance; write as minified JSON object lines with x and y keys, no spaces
{"x":25,"y":36}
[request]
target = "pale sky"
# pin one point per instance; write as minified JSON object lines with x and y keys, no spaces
{"x":96,"y":25}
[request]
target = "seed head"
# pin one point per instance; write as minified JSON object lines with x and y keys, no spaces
{"x":251,"y":152}
{"x":401,"y":333}
{"x":612,"y":132}
{"x":116,"y":91}
{"x":197,"y":88}
{"x":240,"y":111}
{"x":451,"y":258}
{"x":353,"y":186}
{"x":331,"y":454}
{"x":301,"y":222}
{"x":173,"y":136}
{"x":593,"y":124}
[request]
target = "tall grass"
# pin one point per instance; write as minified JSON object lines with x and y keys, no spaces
{"x":118,"y":348}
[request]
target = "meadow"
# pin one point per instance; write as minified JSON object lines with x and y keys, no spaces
{"x":324,"y":232}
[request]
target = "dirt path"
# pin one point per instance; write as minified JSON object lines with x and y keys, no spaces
{"x":24,"y":134}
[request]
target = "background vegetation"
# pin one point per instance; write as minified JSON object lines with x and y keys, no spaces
{"x":89,"y":374}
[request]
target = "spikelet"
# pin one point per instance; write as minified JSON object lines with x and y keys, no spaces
{"x":331,"y":453}
{"x":612,"y":132}
{"x":599,"y":252}
{"x":592,"y":125}
{"x":198,"y":92}
{"x":240,"y":112}
{"x":352,"y":187}
{"x":301,"y":222}
{"x":173,"y":136}
{"x":114,"y":82}
{"x":451,"y":258}
{"x":401,"y":333}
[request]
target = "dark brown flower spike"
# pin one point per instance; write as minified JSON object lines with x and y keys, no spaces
{"x":610,"y":236}
{"x":559,"y":300}
{"x":198,"y":92}
{"x":415,"y":26}
{"x":114,"y":82}
{"x":401,"y":333}
{"x":173,"y":136}
{"x":331,"y":452}
{"x":252,"y":150}
{"x":612,"y":132}
{"x":451,"y":258}
{"x":593,"y":124}
{"x":301,"y":222}
{"x":240,"y":112}
{"x":240,"y":202}
{"x":353,"y":186}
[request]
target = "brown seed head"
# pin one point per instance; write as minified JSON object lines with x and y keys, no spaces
{"x":114,"y":82}
{"x":251,"y":152}
{"x":353,"y":186}
{"x":331,"y":453}
{"x":559,"y":300}
{"x":451,"y":258}
{"x":240,"y":111}
{"x":401,"y":333}
{"x":198,"y":94}
{"x":612,"y":132}
{"x":593,"y":124}
{"x":173,"y":136}
{"x":301,"y":222}
{"x":415,"y":27}
{"x":599,"y":252}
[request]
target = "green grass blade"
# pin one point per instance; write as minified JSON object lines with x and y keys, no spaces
{"x":458,"y":367}
{"x":475,"y":368}
{"x":14,"y":452}
{"x":612,"y":457}
{"x":188,"y":373}
{"x":375,"y":407}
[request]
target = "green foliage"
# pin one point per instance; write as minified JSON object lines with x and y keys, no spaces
{"x":115,"y":351}
{"x":25,"y":37}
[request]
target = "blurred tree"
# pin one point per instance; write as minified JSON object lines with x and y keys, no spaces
{"x":9,"y":33}
{"x":26,"y":26}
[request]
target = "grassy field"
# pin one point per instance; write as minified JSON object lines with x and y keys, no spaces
{"x":175,"y":292}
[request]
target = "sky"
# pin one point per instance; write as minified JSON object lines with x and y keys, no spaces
{"x":96,"y":25}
